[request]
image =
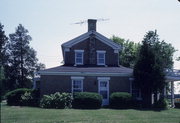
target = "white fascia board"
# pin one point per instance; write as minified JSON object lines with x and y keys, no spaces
{"x":107,"y":41}
{"x":77,"y":39}
{"x":85,"y":74}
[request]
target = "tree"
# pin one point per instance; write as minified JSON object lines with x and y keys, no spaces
{"x":22,"y":60}
{"x":3,"y":58}
{"x":129,"y":51}
{"x":154,"y":56}
{"x":3,"y":42}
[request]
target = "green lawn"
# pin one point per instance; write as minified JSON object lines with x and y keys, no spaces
{"x":16,"y":114}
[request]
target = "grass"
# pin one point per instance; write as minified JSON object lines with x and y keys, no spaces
{"x":16,"y":114}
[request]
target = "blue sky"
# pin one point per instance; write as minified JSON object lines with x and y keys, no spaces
{"x":50,"y":21}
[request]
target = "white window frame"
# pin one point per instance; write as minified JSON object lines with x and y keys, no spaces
{"x":104,"y":53}
{"x":79,"y":51}
{"x":79,"y":79}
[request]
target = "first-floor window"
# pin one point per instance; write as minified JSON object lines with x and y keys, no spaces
{"x":77,"y":84}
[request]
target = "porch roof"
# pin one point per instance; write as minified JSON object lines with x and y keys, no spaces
{"x":88,"y":70}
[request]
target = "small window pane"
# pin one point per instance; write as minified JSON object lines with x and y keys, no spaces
{"x":103,"y":84}
{"x":101,"y":55}
{"x":78,"y":60}
{"x":79,"y":55}
{"x":101,"y":61}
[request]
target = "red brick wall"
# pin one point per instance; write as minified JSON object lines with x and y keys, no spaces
{"x":111,"y":57}
{"x":55,"y":83}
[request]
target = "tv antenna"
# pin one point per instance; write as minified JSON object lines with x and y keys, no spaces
{"x":85,"y":21}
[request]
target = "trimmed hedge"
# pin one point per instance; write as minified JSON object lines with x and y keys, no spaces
{"x":120,"y":100}
{"x":23,"y":97}
{"x":56,"y":100}
{"x":87,"y":100}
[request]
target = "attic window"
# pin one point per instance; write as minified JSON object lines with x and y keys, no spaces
{"x":101,"y":57}
{"x":79,"y":57}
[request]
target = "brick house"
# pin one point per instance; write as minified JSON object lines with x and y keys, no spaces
{"x":91,"y":64}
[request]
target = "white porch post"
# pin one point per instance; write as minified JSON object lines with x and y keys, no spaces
{"x":172,"y":94}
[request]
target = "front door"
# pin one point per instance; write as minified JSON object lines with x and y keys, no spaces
{"x":104,"y":91}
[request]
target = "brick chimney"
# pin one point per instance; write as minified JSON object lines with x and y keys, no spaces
{"x":92,"y":25}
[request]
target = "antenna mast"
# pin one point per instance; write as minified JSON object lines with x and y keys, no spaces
{"x":85,"y":21}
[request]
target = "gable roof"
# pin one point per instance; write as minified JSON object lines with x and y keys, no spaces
{"x":85,"y":36}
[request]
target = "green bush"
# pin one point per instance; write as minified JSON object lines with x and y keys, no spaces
{"x":87,"y":100}
{"x":56,"y":100}
{"x":161,"y":104}
{"x":14,"y":97}
{"x":30,"y":98}
{"x":120,"y":100}
{"x":23,"y":97}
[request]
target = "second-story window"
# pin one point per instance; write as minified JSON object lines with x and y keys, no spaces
{"x":79,"y":54}
{"x":101,"y":57}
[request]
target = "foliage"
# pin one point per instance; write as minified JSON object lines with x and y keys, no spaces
{"x":120,"y":100}
{"x":87,"y":100}
{"x":56,"y":100}
{"x":23,"y":97}
{"x":23,"y":57}
{"x":3,"y":42}
{"x":129,"y":51}
{"x":161,"y":104}
{"x":20,"y":60}
{"x":3,"y":58}
{"x":154,"y":56}
{"x":30,"y":98}
{"x":14,"y":97}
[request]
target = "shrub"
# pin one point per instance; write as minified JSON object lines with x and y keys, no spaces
{"x":120,"y":100}
{"x":30,"y":98}
{"x":46,"y":101}
{"x":161,"y":104}
{"x":56,"y":100}
{"x":87,"y":100}
{"x":14,"y":97}
{"x":23,"y":97}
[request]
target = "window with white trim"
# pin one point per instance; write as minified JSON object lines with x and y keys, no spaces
{"x":101,"y":57}
{"x":79,"y":54}
{"x":77,"y":84}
